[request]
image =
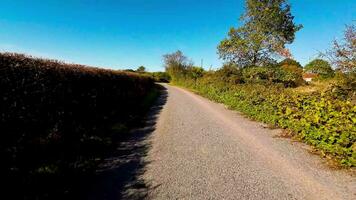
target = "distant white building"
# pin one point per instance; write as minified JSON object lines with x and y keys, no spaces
{"x":308,"y":77}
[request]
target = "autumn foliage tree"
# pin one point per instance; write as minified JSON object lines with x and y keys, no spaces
{"x":343,"y":53}
{"x":267,"y":27}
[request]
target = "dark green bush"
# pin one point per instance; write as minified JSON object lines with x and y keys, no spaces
{"x":56,"y":119}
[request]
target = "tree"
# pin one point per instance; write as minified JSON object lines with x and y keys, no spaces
{"x":129,"y":70}
{"x":320,"y":67}
{"x":268,"y":27}
{"x":343,"y":53}
{"x":176,"y":64}
{"x":289,"y":62}
{"x":141,"y":69}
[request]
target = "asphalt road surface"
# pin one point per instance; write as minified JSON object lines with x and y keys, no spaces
{"x":201,"y":150}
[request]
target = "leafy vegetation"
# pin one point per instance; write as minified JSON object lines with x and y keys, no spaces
{"x":290,"y":62}
{"x":321,"y":119}
{"x":141,"y":69}
{"x":59,"y":120}
{"x":163,"y":77}
{"x":267,"y":27}
{"x":176,"y":64}
{"x":320,"y":67}
{"x":254,"y":84}
{"x":343,"y":52}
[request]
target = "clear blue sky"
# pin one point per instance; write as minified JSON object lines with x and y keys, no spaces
{"x":123,"y":34}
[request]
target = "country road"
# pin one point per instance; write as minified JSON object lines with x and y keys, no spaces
{"x":200,"y":150}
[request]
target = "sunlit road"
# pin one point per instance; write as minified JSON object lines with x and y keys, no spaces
{"x":201,"y":150}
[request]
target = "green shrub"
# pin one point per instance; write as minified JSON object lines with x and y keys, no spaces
{"x":229,"y":73}
{"x":194,"y":72}
{"x":288,"y":75}
{"x":320,"y":119}
{"x":291,"y":75}
{"x":345,"y":86}
{"x":257,"y":74}
{"x":163,"y":77}
{"x":320,"y":67}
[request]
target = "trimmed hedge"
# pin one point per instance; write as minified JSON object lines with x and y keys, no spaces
{"x":320,"y":119}
{"x":58,"y":120}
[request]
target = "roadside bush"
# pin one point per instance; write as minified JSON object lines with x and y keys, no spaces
{"x":288,"y":75}
{"x":345,"y":86}
{"x":194,"y":72}
{"x":229,"y":73}
{"x":163,"y":77}
{"x":320,"y":119}
{"x":58,"y":120}
{"x":291,"y":75}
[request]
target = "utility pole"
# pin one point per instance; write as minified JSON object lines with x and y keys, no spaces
{"x":201,"y":63}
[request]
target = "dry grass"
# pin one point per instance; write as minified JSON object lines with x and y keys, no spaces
{"x":315,"y":86}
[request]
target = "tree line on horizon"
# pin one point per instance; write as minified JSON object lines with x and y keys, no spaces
{"x":261,"y":41}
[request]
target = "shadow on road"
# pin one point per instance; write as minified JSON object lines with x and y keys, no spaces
{"x":119,"y":176}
